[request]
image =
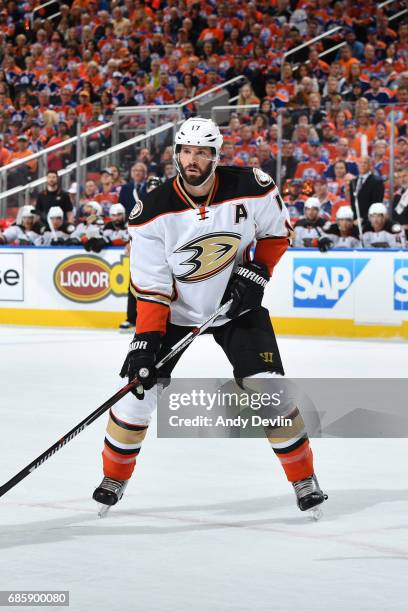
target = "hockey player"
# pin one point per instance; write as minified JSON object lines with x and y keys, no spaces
{"x":89,"y":231}
{"x":343,"y":234}
{"x":381,"y":232}
{"x":128,"y":326}
{"x":56,"y":233}
{"x":191,"y":243}
{"x":115,"y":232}
{"x":309,"y":228}
{"x":24,"y":230}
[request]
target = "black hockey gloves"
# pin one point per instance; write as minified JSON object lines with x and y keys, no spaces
{"x":325,"y":244}
{"x":246,"y":287}
{"x":141,"y":361}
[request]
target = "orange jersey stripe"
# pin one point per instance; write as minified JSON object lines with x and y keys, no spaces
{"x":151,"y":316}
{"x":270,"y":250}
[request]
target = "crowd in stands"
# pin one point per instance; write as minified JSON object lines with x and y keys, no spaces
{"x":340,"y":114}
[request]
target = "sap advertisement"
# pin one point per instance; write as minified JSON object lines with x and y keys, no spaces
{"x":366,"y":287}
{"x":321,"y":283}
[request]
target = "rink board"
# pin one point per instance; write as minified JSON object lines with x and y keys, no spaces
{"x":344,"y":292}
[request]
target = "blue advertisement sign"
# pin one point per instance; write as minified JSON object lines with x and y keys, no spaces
{"x":321,"y":282}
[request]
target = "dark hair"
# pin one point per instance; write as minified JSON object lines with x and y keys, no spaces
{"x":340,"y":161}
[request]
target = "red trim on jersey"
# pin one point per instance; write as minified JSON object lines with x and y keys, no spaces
{"x":270,"y":250}
{"x":151,"y":316}
{"x":179,"y":193}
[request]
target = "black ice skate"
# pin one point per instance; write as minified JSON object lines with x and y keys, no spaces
{"x":127,"y":326}
{"x":309,"y":495}
{"x":108,"y":494}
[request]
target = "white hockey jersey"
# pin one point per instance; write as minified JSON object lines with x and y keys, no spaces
{"x":18,"y":235}
{"x":332,"y":231}
{"x":48,"y":236}
{"x":183,"y":251}
{"x":93,"y":230}
{"x":307,"y":233}
{"x":116,"y":234}
{"x":384,"y":239}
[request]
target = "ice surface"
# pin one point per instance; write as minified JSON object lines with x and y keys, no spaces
{"x":204,"y":524}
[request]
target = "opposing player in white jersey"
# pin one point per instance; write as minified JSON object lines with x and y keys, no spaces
{"x":191,"y":244}
{"x":382,"y":233}
{"x":24,"y":230}
{"x":343,"y":234}
{"x":309,"y":228}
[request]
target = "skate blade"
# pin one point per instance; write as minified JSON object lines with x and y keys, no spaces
{"x":103,"y":510}
{"x":129,"y":330}
{"x":315,"y":514}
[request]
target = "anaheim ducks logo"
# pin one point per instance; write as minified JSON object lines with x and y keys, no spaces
{"x":211,"y":254}
{"x":138,"y":207}
{"x":262,"y":178}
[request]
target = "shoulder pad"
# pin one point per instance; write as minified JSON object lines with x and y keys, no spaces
{"x":242,"y":182}
{"x":301,"y":222}
{"x":161,"y":200}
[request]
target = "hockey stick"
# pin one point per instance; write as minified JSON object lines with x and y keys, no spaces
{"x":179,"y":346}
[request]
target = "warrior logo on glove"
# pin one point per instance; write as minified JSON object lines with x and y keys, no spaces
{"x":246,"y":287}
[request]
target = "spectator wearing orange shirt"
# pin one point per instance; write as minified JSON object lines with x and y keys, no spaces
{"x":346,"y":60}
{"x":61,"y":157}
{"x":212,"y":32}
{"x":164,"y":92}
{"x":5,"y":154}
{"x":232,"y":131}
{"x":313,"y":167}
{"x":84,"y":110}
{"x":287,"y":81}
{"x":402,"y":42}
{"x":23,"y":173}
{"x":228,"y":155}
{"x":370,"y":65}
{"x":354,"y":140}
{"x":318,"y":67}
{"x":65,"y":104}
{"x":364,"y":123}
{"x":246,"y":146}
{"x":94,"y":75}
{"x":302,"y":135}
{"x":400,"y":107}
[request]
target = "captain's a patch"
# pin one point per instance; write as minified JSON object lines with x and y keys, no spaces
{"x":262,"y":178}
